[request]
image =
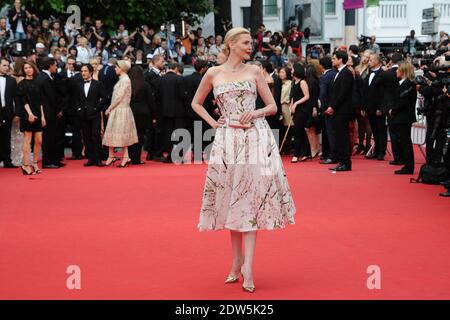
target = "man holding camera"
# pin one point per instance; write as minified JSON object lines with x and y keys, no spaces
{"x":5,"y":33}
{"x":97,"y":33}
{"x":18,"y":17}
{"x":430,"y":86}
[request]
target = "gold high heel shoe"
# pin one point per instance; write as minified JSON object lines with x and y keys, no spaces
{"x":233,"y":279}
{"x":250,"y":289}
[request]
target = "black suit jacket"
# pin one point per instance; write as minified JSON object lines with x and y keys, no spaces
{"x":50,"y":99}
{"x":326,"y":83}
{"x":141,"y":103}
{"x":391,"y":88}
{"x":171,"y":94}
{"x":404,"y":111}
{"x":191,"y":84}
{"x":108,"y":77}
{"x":153,"y":79}
{"x":341,"y":99}
{"x":67,"y":87}
{"x":277,"y":87}
{"x":10,"y":99}
{"x":376,"y":95}
{"x":95,"y":102}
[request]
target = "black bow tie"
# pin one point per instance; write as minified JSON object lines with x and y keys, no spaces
{"x":3,"y":75}
{"x":87,"y":81}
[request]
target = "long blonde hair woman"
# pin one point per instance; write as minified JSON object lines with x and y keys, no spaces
{"x":240,"y":195}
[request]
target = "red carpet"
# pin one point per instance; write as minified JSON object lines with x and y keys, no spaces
{"x":133,"y":233}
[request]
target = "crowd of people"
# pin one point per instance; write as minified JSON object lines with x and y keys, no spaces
{"x":127,"y":90}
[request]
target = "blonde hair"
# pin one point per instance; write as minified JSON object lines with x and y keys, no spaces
{"x":232,"y":36}
{"x":407,"y":69}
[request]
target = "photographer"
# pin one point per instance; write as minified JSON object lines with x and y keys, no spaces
{"x":442,"y":124}
{"x":142,"y":39}
{"x":5,"y":34}
{"x":410,"y":43}
{"x":430,"y":87}
{"x":441,"y":131}
{"x":372,"y":45}
{"x":97,"y":33}
{"x":18,"y":17}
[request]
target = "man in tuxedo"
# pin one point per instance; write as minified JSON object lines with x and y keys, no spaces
{"x":91,"y":101}
{"x":329,"y":127}
{"x":7,"y":112}
{"x":172,"y":107}
{"x":191,"y":84}
{"x":154,"y":138}
{"x":402,"y":116}
{"x":341,"y":107}
{"x":374,"y":104}
{"x":391,"y":92}
{"x":53,"y":113}
{"x":67,"y":81}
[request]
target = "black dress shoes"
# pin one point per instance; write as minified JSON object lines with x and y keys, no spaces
{"x":79,"y":157}
{"x":396,"y":163}
{"x":9,"y":165}
{"x":445,"y":194}
{"x":342,"y":168}
{"x":328,"y":161}
{"x":149,"y":157}
{"x":51,"y":166}
{"x":404,"y":171}
{"x":61,"y":164}
{"x":380,"y":157}
{"x":89,"y":164}
{"x":372,"y":157}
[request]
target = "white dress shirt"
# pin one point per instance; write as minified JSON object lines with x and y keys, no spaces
{"x":339,"y":71}
{"x":2,"y":91}
{"x":87,"y":85}
{"x":372,"y":75}
{"x":48,"y":73}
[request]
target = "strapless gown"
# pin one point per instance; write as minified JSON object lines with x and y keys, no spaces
{"x":246,"y":188}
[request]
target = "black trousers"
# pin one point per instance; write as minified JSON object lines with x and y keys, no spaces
{"x":330,"y":128}
{"x":5,"y":140}
{"x":92,"y":138}
{"x":170,"y":125}
{"x":343,"y":154}
{"x":74,"y":122}
{"x":197,"y":142}
{"x":397,"y":150}
{"x":135,"y":150}
{"x":301,"y":143}
{"x":50,"y":154}
{"x":325,"y":142}
{"x":154,"y":139}
{"x":379,"y":129}
{"x":406,"y":147}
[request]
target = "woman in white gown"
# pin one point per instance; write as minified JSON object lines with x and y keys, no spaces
{"x":246,"y":189}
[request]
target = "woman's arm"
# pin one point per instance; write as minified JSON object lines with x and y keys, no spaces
{"x":305,"y":90}
{"x":43,"y":117}
{"x":119,"y":97}
{"x":200,"y":96}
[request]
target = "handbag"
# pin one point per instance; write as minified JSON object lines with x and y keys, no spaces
{"x":235,"y":123}
{"x":431,"y":175}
